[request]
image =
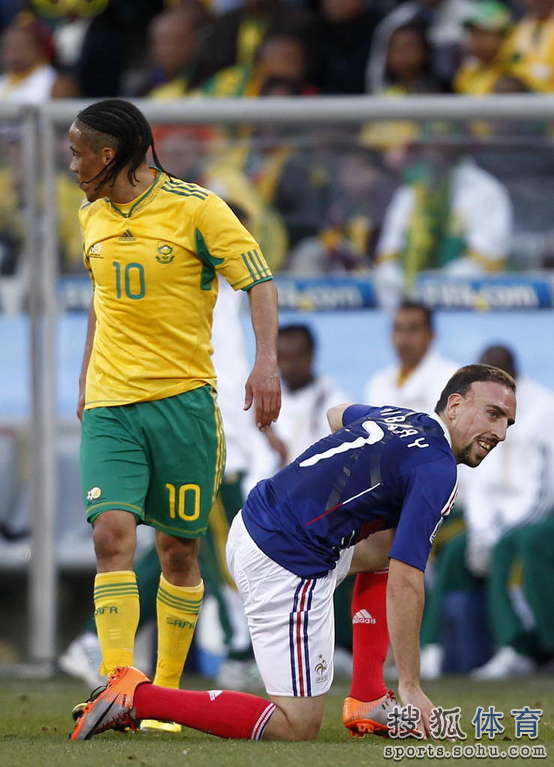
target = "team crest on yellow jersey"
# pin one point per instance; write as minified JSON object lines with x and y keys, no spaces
{"x":165,"y":254}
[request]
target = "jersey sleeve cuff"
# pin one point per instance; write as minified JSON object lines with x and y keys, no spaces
{"x":251,"y":284}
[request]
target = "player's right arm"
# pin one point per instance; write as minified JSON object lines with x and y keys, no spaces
{"x":91,"y":329}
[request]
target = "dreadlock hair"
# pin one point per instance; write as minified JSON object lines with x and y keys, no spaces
{"x":118,"y":124}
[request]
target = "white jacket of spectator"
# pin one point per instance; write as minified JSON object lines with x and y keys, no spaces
{"x":515,"y":483}
{"x":303,"y":416}
{"x":33,"y":89}
{"x":483,"y":208}
{"x":420,"y":391}
{"x":446,"y":29}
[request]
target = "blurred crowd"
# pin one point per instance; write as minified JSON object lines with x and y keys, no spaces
{"x":390,"y":198}
{"x":172,"y":48}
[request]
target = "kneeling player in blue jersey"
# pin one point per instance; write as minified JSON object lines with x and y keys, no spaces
{"x":370,"y":495}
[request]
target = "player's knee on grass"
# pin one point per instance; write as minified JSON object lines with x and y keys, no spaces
{"x":296,"y":718}
{"x":114,"y":534}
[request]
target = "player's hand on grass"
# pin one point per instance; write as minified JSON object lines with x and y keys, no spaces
{"x":414,"y":695}
{"x":263,"y":388}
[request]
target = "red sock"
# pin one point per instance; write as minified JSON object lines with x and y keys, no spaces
{"x":224,"y":713}
{"x":370,"y":635}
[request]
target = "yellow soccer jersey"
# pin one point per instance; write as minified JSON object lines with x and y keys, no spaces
{"x":153,"y":264}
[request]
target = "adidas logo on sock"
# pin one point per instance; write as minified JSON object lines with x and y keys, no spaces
{"x":214,"y":694}
{"x":363,"y":616}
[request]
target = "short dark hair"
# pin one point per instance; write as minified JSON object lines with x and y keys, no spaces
{"x":119,"y":124}
{"x":462,"y":379}
{"x":419,"y":306}
{"x":305,"y":330}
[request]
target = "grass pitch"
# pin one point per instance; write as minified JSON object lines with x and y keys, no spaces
{"x":35,"y":721}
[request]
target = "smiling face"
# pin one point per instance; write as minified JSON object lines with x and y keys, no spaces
{"x":87,"y":162}
{"x":478,"y":421}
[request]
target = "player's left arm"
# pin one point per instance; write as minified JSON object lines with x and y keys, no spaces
{"x":334,"y":416}
{"x":225,"y":243}
{"x":263,"y":387}
{"x":430,"y":485}
{"x":341,"y":415}
{"x":405,"y":600}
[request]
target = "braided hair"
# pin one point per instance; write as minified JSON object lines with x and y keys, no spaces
{"x":118,"y":124}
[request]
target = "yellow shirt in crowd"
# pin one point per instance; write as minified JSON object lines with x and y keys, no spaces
{"x":153,"y":264}
{"x":529,"y":53}
{"x":474,"y":79}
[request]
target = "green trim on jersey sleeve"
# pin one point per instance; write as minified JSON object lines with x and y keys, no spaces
{"x":209,"y":261}
{"x":263,"y":279}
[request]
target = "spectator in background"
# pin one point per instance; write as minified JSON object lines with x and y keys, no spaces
{"x":343,"y":35}
{"x":529,"y":50}
{"x":444,"y":21}
{"x":512,"y":491}
{"x":172,"y":42}
{"x":95,"y":40}
{"x":282,"y":54}
{"x":235,"y":36}
{"x":408,"y":71}
{"x":487,"y":26}
{"x":305,"y":395}
{"x":27,"y":53}
{"x":416,"y":380}
{"x":449,"y":214}
{"x":409,"y":62}
{"x":349,"y":226}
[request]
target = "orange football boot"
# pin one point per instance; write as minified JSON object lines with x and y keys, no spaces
{"x":113,"y":707}
{"x":370,"y":717}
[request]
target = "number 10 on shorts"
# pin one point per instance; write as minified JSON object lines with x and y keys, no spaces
{"x":184,"y":501}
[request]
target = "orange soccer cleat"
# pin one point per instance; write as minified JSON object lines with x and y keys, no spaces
{"x":113,"y":707}
{"x":370,"y":717}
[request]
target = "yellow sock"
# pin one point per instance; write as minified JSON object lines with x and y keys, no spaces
{"x":177,"y":608}
{"x":116,"y":612}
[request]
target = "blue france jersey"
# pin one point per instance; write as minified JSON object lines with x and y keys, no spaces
{"x":387,"y":468}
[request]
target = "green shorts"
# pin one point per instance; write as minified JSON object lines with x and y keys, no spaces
{"x":161,"y":460}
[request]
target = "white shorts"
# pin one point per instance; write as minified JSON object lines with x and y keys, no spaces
{"x":291,"y":619}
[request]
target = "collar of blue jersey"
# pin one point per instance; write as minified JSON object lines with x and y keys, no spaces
{"x":439,"y":420}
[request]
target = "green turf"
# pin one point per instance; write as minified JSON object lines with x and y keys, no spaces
{"x":34,"y":723}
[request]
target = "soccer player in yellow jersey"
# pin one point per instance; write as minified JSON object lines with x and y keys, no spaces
{"x":152,"y":447}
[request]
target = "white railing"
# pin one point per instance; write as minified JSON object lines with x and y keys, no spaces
{"x":39,"y":125}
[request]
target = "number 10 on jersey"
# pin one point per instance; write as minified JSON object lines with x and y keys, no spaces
{"x":133,"y":284}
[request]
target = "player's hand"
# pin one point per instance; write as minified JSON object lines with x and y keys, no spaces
{"x":414,"y":695}
{"x":263,"y":388}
